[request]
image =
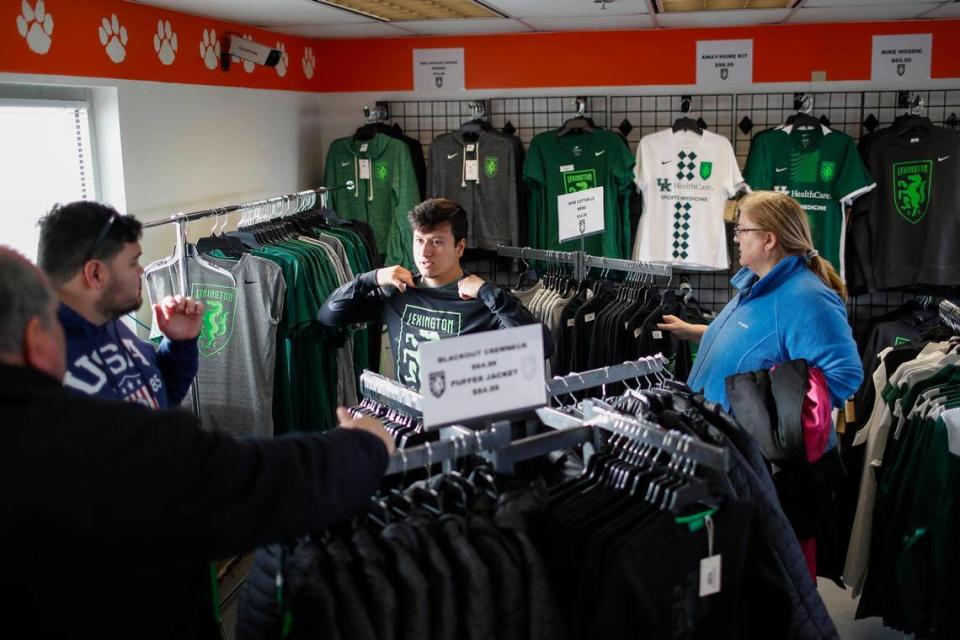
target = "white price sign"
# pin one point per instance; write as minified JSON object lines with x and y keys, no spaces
{"x":482,"y":374}
{"x":580,"y":213}
{"x":438,"y":70}
{"x":901,"y":58}
{"x":724,"y":62}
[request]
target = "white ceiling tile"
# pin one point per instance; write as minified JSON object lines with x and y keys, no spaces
{"x":333,"y":31}
{"x":590,"y":24}
{"x":473,"y":26}
{"x":566,"y":8}
{"x":860,"y":14}
{"x":721,"y":18}
{"x":262,"y":12}
{"x":948,"y":10}
{"x":850,"y":3}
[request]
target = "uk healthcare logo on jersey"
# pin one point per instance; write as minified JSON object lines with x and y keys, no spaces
{"x":220,"y":312}
{"x":912,"y":182}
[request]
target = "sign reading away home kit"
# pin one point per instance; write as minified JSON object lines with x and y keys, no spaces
{"x":580,"y":213}
{"x":724,"y":62}
{"x":482,"y":374}
{"x":901,"y":58}
{"x":438,"y":70}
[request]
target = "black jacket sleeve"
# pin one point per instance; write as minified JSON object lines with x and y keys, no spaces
{"x":238,"y":494}
{"x":356,"y":301}
{"x":178,"y":361}
{"x":510,"y":313}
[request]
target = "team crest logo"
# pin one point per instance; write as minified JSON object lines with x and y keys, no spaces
{"x":490,"y":166}
{"x":382,"y":170}
{"x":724,"y":74}
{"x":912,"y":182}
{"x":574,"y":181}
{"x":438,"y":383}
{"x":828,"y":170}
{"x":439,"y":81}
{"x":220,"y":311}
{"x":706,"y":168}
{"x":528,"y":366}
{"x":583,"y":226}
{"x":901,"y":69}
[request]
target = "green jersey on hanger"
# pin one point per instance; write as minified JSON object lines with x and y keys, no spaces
{"x":385,"y":192}
{"x":557,"y":165}
{"x":818,"y":167}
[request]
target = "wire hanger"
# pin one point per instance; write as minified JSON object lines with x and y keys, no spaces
{"x":803,"y":118}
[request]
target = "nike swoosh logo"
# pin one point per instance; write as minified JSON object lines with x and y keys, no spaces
{"x":779,"y":170}
{"x":600,"y":153}
{"x":452,"y":156}
{"x":249,"y":282}
{"x":666,"y":161}
{"x":939,"y":159}
{"x":344,"y":164}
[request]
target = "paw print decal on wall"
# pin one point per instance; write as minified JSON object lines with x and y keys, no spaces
{"x":36,"y":25}
{"x":113,"y":36}
{"x":165,"y":42}
{"x":309,"y":63}
{"x":284,"y":63}
{"x":210,"y":49}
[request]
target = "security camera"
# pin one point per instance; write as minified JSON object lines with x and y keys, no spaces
{"x":246,"y":49}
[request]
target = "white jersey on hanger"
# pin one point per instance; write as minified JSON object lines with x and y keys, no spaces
{"x":686,"y":179}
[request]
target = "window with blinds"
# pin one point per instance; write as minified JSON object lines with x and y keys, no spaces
{"x":45,"y":158}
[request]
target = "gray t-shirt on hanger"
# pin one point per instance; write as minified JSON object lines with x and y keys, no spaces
{"x":238,"y":340}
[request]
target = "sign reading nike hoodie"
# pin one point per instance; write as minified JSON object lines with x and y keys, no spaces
{"x":110,"y":362}
{"x":423,"y":314}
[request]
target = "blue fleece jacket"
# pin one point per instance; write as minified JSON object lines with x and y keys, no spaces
{"x":110,"y":362}
{"x":788,"y":314}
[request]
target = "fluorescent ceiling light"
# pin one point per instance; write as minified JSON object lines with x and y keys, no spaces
{"x":670,"y":6}
{"x":401,"y":10}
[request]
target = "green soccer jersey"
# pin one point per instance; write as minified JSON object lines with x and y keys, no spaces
{"x":557,"y":165}
{"x":386,"y":190}
{"x":820,"y":168}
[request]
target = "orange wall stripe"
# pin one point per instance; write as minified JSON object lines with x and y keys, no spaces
{"x":62,"y":37}
{"x":73,"y":46}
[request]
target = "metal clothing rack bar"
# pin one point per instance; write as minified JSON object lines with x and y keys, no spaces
{"x":181,"y":220}
{"x":950,"y":314}
{"x":596,"y":377}
{"x":672,"y":441}
{"x":546,"y":255}
{"x":391,"y":393}
{"x":631,"y":266}
{"x":461,"y":443}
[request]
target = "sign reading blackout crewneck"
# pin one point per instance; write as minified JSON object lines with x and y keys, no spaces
{"x":482,"y":374}
{"x":438,"y":70}
{"x":901,"y":58}
{"x":721,"y":63}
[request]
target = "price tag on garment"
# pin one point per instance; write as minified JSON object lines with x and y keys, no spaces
{"x":482,"y":375}
{"x":471,"y":148}
{"x":363,"y":147}
{"x":710,"y":576}
{"x":722,"y":63}
{"x":364,"y":169}
{"x":471,"y":170}
{"x":657,"y":335}
{"x":902,"y":58}
{"x":580,"y":213}
{"x":564,"y":168}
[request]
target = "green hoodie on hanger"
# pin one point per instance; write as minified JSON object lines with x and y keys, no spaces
{"x":383,"y":196}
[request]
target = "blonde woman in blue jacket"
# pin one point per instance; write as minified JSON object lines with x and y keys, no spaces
{"x":789,"y":305}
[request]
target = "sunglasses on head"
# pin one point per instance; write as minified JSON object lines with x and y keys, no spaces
{"x":102,"y":236}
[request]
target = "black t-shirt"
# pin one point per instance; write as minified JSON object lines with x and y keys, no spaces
{"x":904,"y":232}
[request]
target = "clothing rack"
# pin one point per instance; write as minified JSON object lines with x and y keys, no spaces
{"x":572,"y":382}
{"x":582,"y":262}
{"x":391,"y":393}
{"x":597,"y":415}
{"x":181,"y":220}
{"x":950,"y":314}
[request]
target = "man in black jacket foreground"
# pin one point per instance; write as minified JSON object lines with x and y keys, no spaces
{"x":442,"y":302}
{"x":110,"y":512}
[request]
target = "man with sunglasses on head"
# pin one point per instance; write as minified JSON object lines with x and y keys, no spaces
{"x":91,"y":254}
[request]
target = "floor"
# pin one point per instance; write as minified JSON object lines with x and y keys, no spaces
{"x":842,"y":608}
